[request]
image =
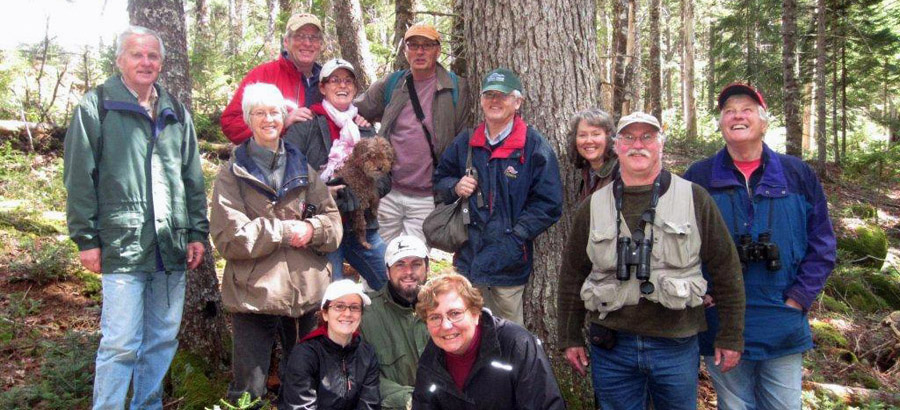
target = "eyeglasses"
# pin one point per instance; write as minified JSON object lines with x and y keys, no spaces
{"x":453,"y":316}
{"x":646,"y":139}
{"x":311,"y":38}
{"x":339,"y":81}
{"x":340,"y":308}
{"x":260,"y":114}
{"x":421,"y":46}
{"x":495,"y":95}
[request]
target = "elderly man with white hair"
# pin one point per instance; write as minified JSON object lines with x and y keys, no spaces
{"x":632,"y":263}
{"x":777,"y":216}
{"x":136,"y":209}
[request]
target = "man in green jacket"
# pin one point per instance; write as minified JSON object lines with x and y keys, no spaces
{"x":390,"y":323}
{"x":136,"y":208}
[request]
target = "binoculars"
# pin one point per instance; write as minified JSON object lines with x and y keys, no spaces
{"x":634,"y":256}
{"x":761,"y":250}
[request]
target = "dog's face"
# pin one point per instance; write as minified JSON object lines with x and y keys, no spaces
{"x":375,"y":155}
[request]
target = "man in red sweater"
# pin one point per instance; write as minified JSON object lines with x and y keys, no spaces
{"x":295,"y":73}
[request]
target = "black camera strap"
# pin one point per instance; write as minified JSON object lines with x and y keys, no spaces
{"x":646,"y":217}
{"x":420,"y":115}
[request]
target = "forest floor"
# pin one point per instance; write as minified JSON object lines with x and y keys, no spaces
{"x":50,"y":307}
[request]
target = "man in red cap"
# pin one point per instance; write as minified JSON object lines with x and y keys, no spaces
{"x":778,"y":217}
{"x":419,"y":128}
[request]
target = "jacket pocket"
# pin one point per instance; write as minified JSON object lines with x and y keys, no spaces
{"x":602,"y":246}
{"x":602,"y":292}
{"x":505,"y":255}
{"x":120,"y":237}
{"x":673,"y":247}
{"x":680,"y":293}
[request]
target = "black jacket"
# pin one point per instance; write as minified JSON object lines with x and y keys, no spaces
{"x":313,"y":139}
{"x":511,"y":372}
{"x":324,"y":375}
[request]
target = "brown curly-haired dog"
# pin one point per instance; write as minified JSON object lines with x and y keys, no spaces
{"x":371,"y":159}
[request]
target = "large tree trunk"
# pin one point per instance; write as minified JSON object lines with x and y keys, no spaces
{"x":555,"y":56}
{"x":655,"y":86}
{"x":633,"y":78}
{"x":351,"y":34}
{"x":167,"y":18}
{"x":272,"y":41}
{"x":687,"y":71}
{"x":794,"y":139}
{"x":203,"y":330}
{"x":667,"y":71}
{"x":820,"y":87}
{"x":620,"y":46}
{"x":711,"y":88}
{"x":404,"y":16}
{"x":834,"y":93}
{"x":457,"y":41}
{"x":236,"y":23}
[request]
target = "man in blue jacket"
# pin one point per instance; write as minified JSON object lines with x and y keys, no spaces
{"x":514,"y":194}
{"x":776,"y":211}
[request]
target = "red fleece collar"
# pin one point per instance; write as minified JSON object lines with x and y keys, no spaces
{"x":513,"y":142}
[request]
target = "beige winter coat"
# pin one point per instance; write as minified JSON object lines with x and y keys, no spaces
{"x":250,"y":225}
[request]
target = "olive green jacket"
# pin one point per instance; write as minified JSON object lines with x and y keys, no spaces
{"x":399,"y":338}
{"x":135,"y":188}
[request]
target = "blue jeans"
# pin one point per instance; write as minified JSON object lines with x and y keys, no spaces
{"x":368,"y":262}
{"x":759,"y":384}
{"x":666,"y":368}
{"x":139,"y":324}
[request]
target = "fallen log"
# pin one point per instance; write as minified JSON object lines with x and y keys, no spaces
{"x":854,"y":396}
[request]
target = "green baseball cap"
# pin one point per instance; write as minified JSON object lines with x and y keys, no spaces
{"x":502,"y":80}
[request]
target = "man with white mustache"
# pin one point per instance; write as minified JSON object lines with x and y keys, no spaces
{"x":637,"y":273}
{"x":776,"y":212}
{"x":391,"y":324}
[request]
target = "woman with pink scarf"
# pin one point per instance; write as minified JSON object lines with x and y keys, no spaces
{"x":327,"y":141}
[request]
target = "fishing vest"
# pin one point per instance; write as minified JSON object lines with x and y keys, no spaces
{"x":675,"y":257}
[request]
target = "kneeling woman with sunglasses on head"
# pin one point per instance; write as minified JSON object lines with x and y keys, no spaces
{"x":332,"y":368}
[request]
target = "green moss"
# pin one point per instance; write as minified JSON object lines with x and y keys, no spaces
{"x":194,"y":382}
{"x":834,"y":305}
{"x":825,"y":334}
{"x":861,"y":298}
{"x":864,"y":379}
{"x":866,"y":240}
{"x":885,"y":286}
{"x":863,"y":211}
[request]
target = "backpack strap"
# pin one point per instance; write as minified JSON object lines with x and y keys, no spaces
{"x":392,"y":82}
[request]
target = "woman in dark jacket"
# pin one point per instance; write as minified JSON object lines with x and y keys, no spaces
{"x":325,"y":140}
{"x":476,"y":360}
{"x":332,"y":368}
{"x":590,"y":149}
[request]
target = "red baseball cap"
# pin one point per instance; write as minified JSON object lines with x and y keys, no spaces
{"x":741,"y":88}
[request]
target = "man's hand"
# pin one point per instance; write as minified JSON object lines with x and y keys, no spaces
{"x":793,"y":303}
{"x":360,"y":121}
{"x":195,"y":251}
{"x":90,"y":259}
{"x":726,"y":359}
{"x":577,"y":357}
{"x":708,"y":301}
{"x":302,"y":234}
{"x":298,"y":114}
{"x":466,"y":186}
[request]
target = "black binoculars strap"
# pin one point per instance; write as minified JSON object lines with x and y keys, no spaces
{"x":647,"y":216}
{"x":420,"y":115}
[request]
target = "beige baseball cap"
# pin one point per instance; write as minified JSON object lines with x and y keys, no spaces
{"x":301,"y":19}
{"x":637,"y":117}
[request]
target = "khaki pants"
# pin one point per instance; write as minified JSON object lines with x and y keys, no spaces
{"x":401,"y":214}
{"x":505,"y":301}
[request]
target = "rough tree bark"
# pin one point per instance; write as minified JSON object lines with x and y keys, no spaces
{"x":820,"y":87}
{"x":711,"y":88}
{"x":794,"y":139}
{"x":620,"y":47}
{"x":203,"y":329}
{"x":404,"y":15}
{"x":457,"y":41}
{"x":633,"y":74}
{"x":236,"y":23}
{"x":351,"y":34}
{"x":272,"y":41}
{"x":655,"y":85}
{"x":687,"y":72}
{"x":551,"y":44}
{"x":670,"y":56}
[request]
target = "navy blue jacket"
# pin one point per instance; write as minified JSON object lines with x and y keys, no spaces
{"x":522,"y":197}
{"x":787,"y":201}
